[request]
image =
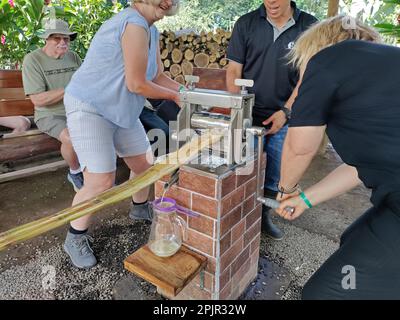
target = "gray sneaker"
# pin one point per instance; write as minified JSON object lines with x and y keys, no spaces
{"x":76,"y":180}
{"x":78,"y":248}
{"x":141,"y":212}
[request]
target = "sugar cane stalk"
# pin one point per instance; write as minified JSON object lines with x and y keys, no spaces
{"x":173,"y":161}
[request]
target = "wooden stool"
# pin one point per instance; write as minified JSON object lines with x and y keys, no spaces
{"x":170,"y":274}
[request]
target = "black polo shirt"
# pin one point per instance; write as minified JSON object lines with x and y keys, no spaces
{"x":264,"y":61}
{"x":353,"y":89}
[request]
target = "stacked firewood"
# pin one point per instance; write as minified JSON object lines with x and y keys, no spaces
{"x":180,"y":54}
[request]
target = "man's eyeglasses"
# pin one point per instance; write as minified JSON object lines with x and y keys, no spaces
{"x":59,"y":38}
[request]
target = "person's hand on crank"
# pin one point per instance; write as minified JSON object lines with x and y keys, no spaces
{"x":291,"y":201}
{"x":277,"y":121}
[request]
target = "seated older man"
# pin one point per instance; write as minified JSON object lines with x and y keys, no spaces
{"x":46,"y":72}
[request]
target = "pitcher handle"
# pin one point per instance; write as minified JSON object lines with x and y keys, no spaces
{"x":183,"y":226}
{"x":185,"y":211}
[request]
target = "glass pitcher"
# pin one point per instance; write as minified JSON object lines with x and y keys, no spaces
{"x":167,"y":229}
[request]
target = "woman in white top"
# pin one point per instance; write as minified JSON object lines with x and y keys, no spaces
{"x":103,"y":102}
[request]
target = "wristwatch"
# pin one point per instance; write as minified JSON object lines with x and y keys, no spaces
{"x":287,"y":111}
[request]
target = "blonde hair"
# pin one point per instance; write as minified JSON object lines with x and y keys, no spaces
{"x":326,"y":33}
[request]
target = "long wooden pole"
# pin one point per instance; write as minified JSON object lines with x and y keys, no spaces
{"x":124,"y":191}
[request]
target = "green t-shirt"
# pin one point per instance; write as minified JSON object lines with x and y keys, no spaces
{"x":42,"y":73}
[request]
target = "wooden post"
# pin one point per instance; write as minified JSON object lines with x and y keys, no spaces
{"x":333,"y":8}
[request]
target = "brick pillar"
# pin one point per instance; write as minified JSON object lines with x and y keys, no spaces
{"x":227,"y":231}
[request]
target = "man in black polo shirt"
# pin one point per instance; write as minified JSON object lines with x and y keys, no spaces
{"x":257,"y":50}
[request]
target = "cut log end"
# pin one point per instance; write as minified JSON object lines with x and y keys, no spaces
{"x":201,"y":60}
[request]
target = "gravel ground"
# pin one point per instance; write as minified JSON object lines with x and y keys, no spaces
{"x":301,"y":252}
{"x":30,"y":280}
{"x":25,"y":269}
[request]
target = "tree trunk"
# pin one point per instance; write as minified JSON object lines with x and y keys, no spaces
{"x":333,"y":8}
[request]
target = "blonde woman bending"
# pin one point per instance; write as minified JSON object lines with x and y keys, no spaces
{"x":103,"y":102}
{"x":350,"y":89}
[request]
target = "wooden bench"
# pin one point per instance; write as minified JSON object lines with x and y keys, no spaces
{"x":30,"y":144}
{"x":13,"y":102}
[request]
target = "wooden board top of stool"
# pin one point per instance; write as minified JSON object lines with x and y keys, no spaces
{"x":170,"y":274}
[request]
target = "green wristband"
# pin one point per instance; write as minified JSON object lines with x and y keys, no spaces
{"x":305,"y":199}
{"x":181,"y":88}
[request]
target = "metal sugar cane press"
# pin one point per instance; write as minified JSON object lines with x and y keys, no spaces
{"x":237,"y":146}
{"x":197,"y":114}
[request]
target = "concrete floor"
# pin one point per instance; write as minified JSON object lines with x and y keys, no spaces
{"x":25,"y":268}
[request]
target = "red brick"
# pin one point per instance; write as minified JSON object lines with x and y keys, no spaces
{"x":249,"y":277}
{"x":254,"y":257}
{"x":211,"y":265}
{"x":225,"y":243}
{"x":200,"y":184}
{"x":238,"y":230}
{"x":228,"y":221}
{"x":225,"y":277}
{"x":250,"y":187}
{"x":200,"y":242}
{"x":181,"y":196}
{"x":252,"y":217}
{"x":232,"y":200}
{"x":244,"y":268}
{"x":231,"y":254}
{"x":225,"y":292}
{"x":202,"y":224}
{"x":252,"y":232}
{"x":255,"y":245}
{"x":205,"y":205}
{"x":240,"y":260}
{"x":228,"y":184}
{"x":235,"y":293}
{"x":248,"y":205}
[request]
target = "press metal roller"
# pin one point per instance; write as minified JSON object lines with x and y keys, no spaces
{"x":197,"y":114}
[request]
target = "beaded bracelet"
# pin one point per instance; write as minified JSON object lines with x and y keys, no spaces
{"x":283,"y":191}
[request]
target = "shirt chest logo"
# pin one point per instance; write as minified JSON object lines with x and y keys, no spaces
{"x":59,"y":71}
{"x":290,"y":45}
